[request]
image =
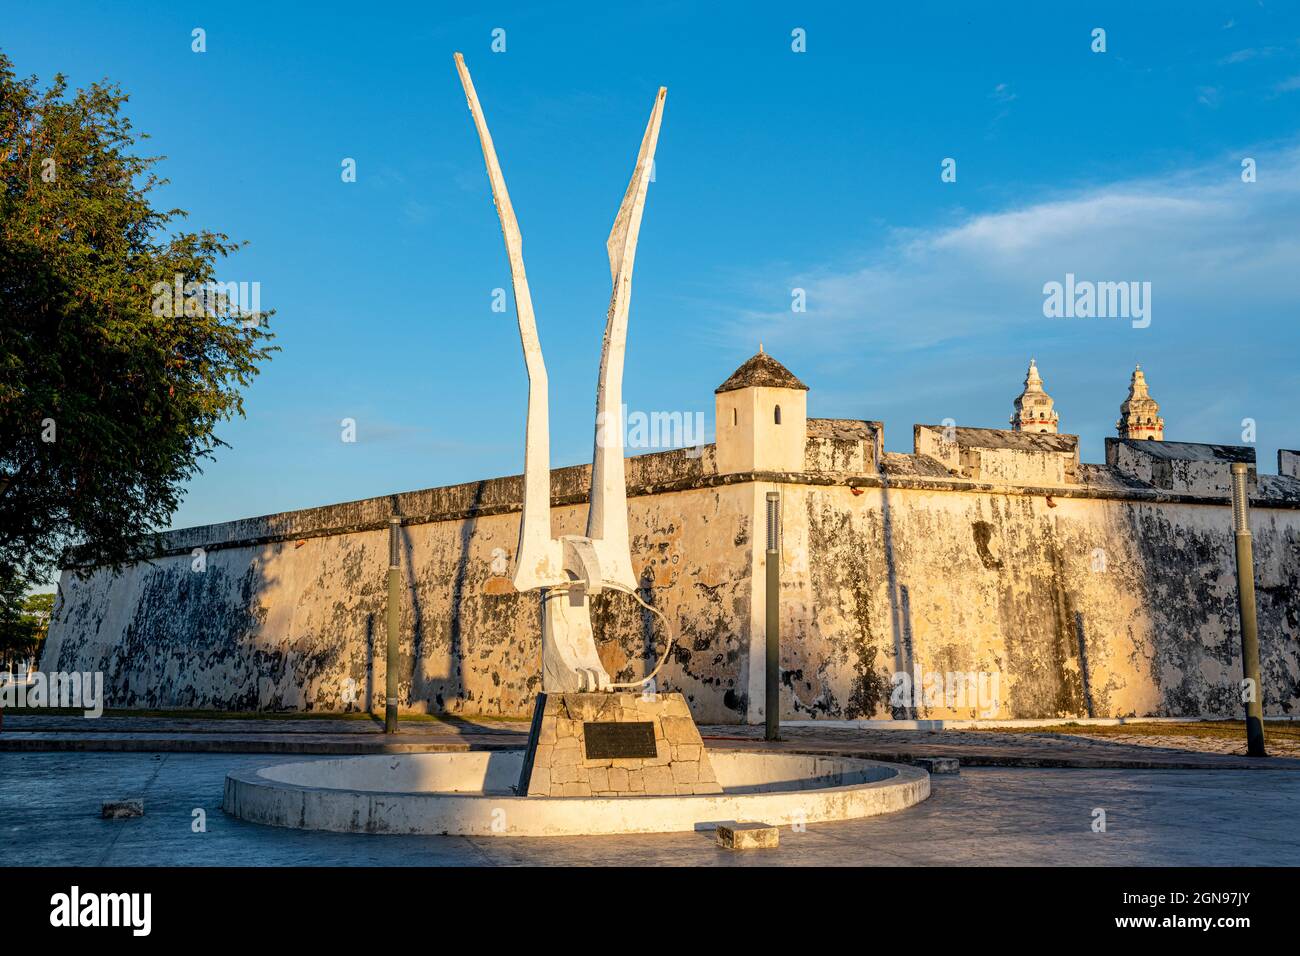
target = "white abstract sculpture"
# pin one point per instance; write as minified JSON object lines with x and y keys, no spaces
{"x":571,"y":568}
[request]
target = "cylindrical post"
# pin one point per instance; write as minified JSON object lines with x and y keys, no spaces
{"x":394,"y":612}
{"x":772,"y":702}
{"x":1254,"y":687}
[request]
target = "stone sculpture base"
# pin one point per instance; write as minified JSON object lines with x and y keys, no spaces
{"x":614,"y":744}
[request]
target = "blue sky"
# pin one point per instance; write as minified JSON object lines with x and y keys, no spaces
{"x":818,"y":170}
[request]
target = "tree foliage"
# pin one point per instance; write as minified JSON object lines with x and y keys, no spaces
{"x":108,"y":402}
{"x":24,"y":622}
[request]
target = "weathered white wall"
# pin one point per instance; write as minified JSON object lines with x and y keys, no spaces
{"x":1083,"y":607}
{"x":1104,"y":598}
{"x":285,"y":624}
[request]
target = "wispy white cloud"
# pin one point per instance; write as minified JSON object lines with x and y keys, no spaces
{"x":1212,"y":246}
{"x":1251,"y":53}
{"x":417,"y":212}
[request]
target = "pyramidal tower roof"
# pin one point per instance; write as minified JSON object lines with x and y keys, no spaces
{"x":1034,"y":407}
{"x":761,"y":371}
{"x":1139,"y":415}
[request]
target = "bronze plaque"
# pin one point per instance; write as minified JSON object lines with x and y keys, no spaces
{"x":619,"y":741}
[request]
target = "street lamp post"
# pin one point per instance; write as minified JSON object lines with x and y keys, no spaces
{"x":1253,"y":688}
{"x":772,"y":702}
{"x":394,"y":610}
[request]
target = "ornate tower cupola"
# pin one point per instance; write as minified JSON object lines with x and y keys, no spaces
{"x":762,"y":418}
{"x":1034,"y":406}
{"x":1139,"y":416}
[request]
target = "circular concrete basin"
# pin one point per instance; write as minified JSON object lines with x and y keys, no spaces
{"x":471,"y":794}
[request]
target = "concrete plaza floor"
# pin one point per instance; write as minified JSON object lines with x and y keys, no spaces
{"x":49,"y":815}
{"x":136,"y":733}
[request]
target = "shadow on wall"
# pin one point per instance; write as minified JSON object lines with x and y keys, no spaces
{"x":1189,"y":575}
{"x":1036,"y":618}
{"x":1187,"y":598}
{"x":1277,"y":582}
{"x":424,"y":689}
{"x":629,"y":637}
{"x":900,"y":611}
{"x":188,"y":635}
{"x":1040,"y":649}
{"x":1005,"y":585}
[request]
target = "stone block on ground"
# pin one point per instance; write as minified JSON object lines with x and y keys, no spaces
{"x":938,"y":764}
{"x":122,"y":809}
{"x":747,"y":836}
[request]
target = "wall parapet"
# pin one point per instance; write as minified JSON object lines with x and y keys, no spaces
{"x":1002,"y":455}
{"x":839,"y":451}
{"x":1288,"y":462}
{"x":1178,"y":465}
{"x":497,"y":496}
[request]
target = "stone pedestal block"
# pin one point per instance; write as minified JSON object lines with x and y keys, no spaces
{"x":747,"y":836}
{"x":614,"y":744}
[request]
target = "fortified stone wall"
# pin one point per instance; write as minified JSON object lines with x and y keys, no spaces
{"x":1070,"y":589}
{"x":1082,"y":607}
{"x":289,"y":608}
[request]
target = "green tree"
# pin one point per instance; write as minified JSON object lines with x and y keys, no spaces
{"x":24,"y":622}
{"x":109,"y":390}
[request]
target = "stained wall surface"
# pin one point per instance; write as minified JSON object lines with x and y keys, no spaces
{"x":1104,"y":595}
{"x":298,"y":622}
{"x":1083,"y":607}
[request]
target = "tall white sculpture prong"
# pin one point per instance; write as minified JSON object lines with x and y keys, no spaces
{"x":569,"y":570}
{"x":538,"y":558}
{"x":607,"y":515}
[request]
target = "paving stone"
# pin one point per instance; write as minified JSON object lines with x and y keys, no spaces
{"x":1146,"y":748}
{"x":747,"y":836}
{"x":122,"y":809}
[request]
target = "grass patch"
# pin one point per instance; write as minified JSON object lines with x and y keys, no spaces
{"x":259,"y":715}
{"x":1217,"y":729}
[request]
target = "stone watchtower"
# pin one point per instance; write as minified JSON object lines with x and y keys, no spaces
{"x":1034,"y":406}
{"x":762,"y":418}
{"x":1139,"y":416}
